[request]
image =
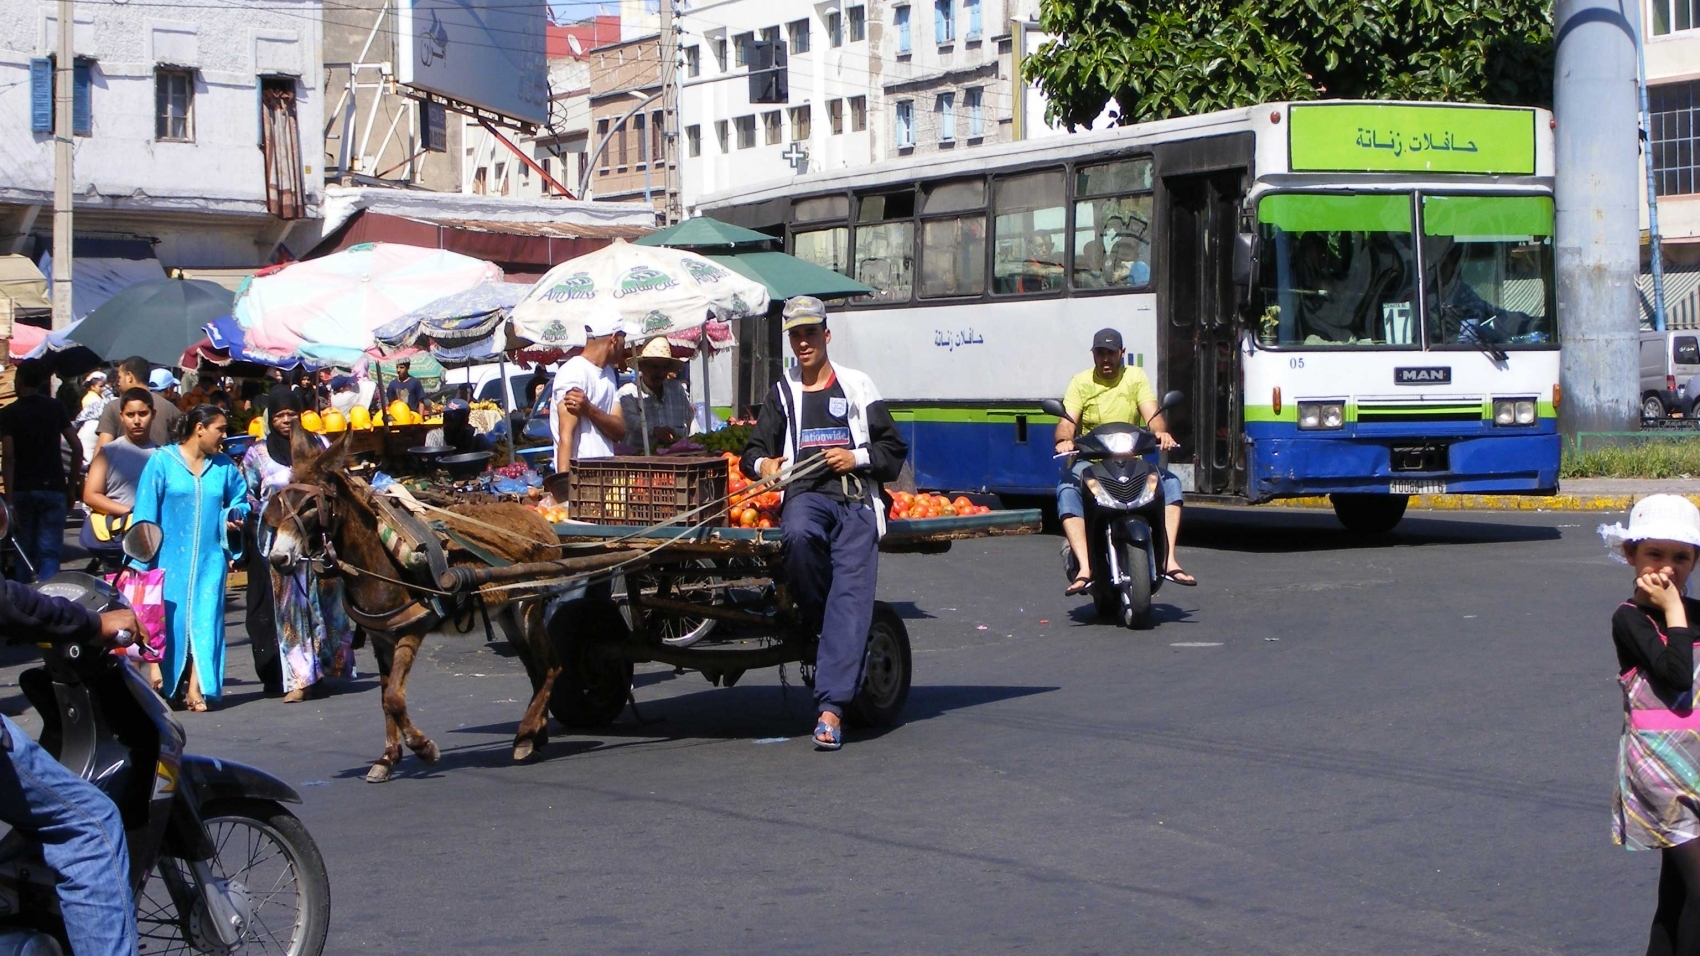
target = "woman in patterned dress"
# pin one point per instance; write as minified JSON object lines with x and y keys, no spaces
{"x":314,"y":635}
{"x":1658,"y":793}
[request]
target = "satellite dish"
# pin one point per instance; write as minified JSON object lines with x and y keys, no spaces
{"x":574,"y":45}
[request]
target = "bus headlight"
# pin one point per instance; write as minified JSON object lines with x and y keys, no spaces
{"x":1513,"y":411}
{"x":1319,"y":415}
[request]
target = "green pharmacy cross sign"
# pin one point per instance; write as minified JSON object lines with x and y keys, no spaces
{"x":1411,"y":138}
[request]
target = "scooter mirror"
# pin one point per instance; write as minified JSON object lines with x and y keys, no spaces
{"x":141,"y":542}
{"x":1051,"y":406}
{"x":1171,"y":400}
{"x":5,"y":520}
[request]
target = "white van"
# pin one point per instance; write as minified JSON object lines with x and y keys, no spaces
{"x":1668,"y":360}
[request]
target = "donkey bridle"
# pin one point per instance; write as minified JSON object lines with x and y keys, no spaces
{"x":315,"y":500}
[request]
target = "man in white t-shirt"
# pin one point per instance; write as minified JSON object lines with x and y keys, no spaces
{"x":586,"y":418}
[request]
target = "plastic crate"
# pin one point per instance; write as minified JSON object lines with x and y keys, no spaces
{"x":641,"y":491}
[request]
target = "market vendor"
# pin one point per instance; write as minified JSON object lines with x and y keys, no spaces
{"x":585,"y":418}
{"x":405,"y":387}
{"x":656,"y":405}
{"x":458,"y":432}
{"x":833,"y":517}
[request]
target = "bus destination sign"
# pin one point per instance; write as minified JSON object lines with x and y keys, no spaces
{"x":1411,"y":138}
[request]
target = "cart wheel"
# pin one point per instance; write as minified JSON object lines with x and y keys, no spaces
{"x":674,"y":630}
{"x":886,"y":671}
{"x":595,"y":682}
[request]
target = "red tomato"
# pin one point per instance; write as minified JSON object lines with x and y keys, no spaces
{"x":961,"y":504}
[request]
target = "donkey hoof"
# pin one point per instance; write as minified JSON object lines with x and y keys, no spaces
{"x":523,"y":751}
{"x":429,"y":752}
{"x":380,"y":773}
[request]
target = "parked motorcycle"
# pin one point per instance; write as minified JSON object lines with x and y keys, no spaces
{"x":1124,"y":517}
{"x":218,"y":865}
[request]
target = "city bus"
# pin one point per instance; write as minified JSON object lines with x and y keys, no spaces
{"x":1356,"y":298}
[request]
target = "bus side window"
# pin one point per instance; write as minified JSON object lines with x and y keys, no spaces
{"x":1028,"y":232}
{"x":1112,"y":225}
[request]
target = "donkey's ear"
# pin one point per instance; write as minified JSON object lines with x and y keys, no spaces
{"x":304,"y":454}
{"x":331,"y":460}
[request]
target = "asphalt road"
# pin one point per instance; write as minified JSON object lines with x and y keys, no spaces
{"x":1331,"y":746}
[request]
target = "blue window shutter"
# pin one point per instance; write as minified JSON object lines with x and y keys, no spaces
{"x":939,"y":13}
{"x":903,"y":29}
{"x":41,"y":95}
{"x":82,"y":112}
{"x":973,"y":17}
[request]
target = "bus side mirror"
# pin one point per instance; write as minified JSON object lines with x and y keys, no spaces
{"x":1245,"y":264}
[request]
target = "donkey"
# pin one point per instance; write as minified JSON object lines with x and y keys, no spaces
{"x":325,"y":517}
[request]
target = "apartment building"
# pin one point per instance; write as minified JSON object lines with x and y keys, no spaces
{"x":198,"y":132}
{"x":627,"y":157}
{"x":950,"y":77}
{"x":1671,"y":31}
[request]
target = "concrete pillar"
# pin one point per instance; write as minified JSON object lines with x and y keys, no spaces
{"x":1598,"y":238}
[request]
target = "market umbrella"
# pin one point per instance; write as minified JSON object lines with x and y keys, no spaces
{"x":325,"y":310}
{"x":157,"y":319}
{"x":472,"y":321}
{"x":786,"y":275}
{"x":226,"y":334}
{"x":651,"y":290}
{"x":704,"y":232}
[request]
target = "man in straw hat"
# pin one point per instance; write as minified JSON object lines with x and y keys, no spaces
{"x":833,"y":515}
{"x":656,"y":403}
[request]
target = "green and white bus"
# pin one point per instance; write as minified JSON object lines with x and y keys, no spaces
{"x":1356,"y":297}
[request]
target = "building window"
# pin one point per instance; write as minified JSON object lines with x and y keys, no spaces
{"x":1670,"y":16}
{"x":501,"y":177}
{"x":799,"y":30}
{"x":741,"y":49}
{"x":976,"y":114}
{"x":1673,"y":112}
{"x":720,"y":54}
{"x":835,"y":115}
{"x":481,"y":181}
{"x":42,"y":80}
{"x":972,"y":8}
{"x":835,"y":29}
{"x":770,"y":34}
{"x":693,"y":140}
{"x":620,"y":157}
{"x":944,"y":21}
{"x":900,"y":16}
{"x":858,"y":113}
{"x":858,"y":23}
{"x":801,"y":122}
{"x":722,"y":134}
{"x":770,"y":126}
{"x":746,"y":131}
{"x":946,"y":109}
{"x":657,"y":143}
{"x":602,"y":140}
{"x":693,"y":61}
{"x":174,"y":105}
{"x":905,"y":123}
{"x":639,"y":148}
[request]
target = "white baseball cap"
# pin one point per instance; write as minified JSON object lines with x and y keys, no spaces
{"x":1655,"y":518}
{"x":603,"y":322}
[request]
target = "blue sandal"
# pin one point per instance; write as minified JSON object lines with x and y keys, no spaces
{"x":836,"y":733}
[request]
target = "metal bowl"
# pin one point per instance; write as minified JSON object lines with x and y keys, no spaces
{"x":427,"y":455}
{"x":465,"y":464}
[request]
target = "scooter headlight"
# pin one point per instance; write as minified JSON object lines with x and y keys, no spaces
{"x":1118,"y":444}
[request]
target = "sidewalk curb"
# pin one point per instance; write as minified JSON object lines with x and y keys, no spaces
{"x":1560,"y":502}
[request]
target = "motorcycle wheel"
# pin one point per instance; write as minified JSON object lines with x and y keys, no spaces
{"x":1136,"y":597}
{"x":269,"y":853}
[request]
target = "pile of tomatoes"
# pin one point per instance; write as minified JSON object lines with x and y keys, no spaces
{"x":905,"y":505}
{"x":749,"y":510}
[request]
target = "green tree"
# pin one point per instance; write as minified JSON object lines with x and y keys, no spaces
{"x":1162,"y":58}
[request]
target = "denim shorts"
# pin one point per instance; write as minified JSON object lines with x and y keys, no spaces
{"x":1070,"y":504}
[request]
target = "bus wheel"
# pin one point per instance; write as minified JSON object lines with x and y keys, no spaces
{"x":1369,"y":514}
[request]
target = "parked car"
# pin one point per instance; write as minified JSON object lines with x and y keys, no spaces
{"x":1668,"y":360}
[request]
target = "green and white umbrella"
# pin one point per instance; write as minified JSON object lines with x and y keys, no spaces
{"x":651,"y":291}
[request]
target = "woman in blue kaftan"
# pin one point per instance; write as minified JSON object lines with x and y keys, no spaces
{"x":198,"y":498}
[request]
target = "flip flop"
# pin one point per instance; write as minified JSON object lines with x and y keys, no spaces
{"x":1078,"y":586}
{"x":1181,"y":577}
{"x":836,"y":733}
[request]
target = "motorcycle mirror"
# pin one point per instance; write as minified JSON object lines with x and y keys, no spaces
{"x":5,"y":519}
{"x":1171,"y":400}
{"x":1051,"y":406}
{"x":142,"y":541}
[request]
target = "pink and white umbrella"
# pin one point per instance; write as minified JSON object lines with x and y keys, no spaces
{"x":325,"y":309}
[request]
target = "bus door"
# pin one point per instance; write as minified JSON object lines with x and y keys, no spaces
{"x":1200,"y":340}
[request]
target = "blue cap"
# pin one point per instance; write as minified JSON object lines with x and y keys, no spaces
{"x":161,"y":379}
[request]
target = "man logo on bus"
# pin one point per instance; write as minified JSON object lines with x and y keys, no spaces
{"x":656,"y":320}
{"x":643,"y":279}
{"x":704,"y":271}
{"x":579,"y":285}
{"x":1423,"y":376}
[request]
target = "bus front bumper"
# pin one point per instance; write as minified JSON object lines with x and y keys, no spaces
{"x":1496,"y":464}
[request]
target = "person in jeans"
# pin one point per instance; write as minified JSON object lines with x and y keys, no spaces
{"x":30,"y":431}
{"x":80,"y":829}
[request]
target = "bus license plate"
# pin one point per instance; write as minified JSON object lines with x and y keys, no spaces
{"x":1429,"y":486}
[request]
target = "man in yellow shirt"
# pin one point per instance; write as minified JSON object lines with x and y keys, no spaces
{"x":1110,"y":391}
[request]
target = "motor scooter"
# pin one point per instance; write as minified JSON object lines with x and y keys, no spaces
{"x":217,"y":864}
{"x":1125,"y":539}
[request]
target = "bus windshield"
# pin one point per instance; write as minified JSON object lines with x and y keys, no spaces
{"x":1337,"y":270}
{"x":1489,"y":270}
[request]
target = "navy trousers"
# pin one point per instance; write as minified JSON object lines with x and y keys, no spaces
{"x":831,"y":566}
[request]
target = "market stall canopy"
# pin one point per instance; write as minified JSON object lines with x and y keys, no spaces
{"x":704,"y":232}
{"x":325,"y":309}
{"x":24,"y":284}
{"x":224,"y":334}
{"x":156,"y":319}
{"x":786,"y":275}
{"x":651,"y":290}
{"x":718,"y":333}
